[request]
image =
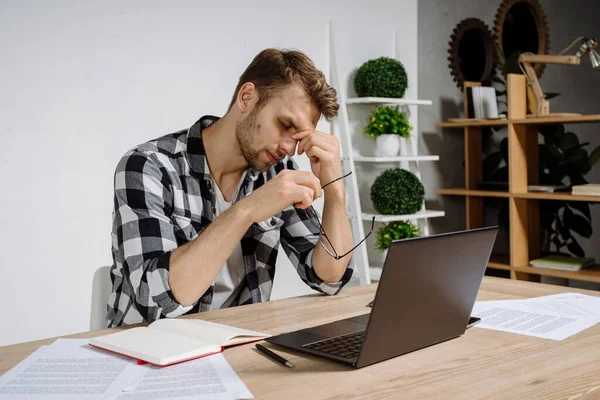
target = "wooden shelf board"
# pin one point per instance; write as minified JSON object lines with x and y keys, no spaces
{"x":574,"y":119}
{"x":388,"y":100}
{"x":555,"y":196}
{"x":500,"y":262}
{"x":530,"y":195}
{"x":479,"y":193}
{"x":588,"y":274}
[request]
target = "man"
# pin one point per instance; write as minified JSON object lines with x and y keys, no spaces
{"x":199,"y":214}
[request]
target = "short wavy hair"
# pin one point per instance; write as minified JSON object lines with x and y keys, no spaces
{"x":274,"y":69}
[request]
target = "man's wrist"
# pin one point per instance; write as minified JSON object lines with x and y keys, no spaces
{"x":243,"y":212}
{"x":335,"y":192}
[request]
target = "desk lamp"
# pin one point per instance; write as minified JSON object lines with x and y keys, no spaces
{"x":538,"y":105}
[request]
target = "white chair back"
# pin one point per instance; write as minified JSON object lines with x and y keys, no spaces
{"x":101,"y":289}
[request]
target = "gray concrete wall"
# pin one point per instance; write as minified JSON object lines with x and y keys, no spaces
{"x":579,"y":87}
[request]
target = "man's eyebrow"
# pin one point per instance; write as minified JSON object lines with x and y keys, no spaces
{"x":289,"y":120}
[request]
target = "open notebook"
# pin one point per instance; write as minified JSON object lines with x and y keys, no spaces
{"x":169,"y":341}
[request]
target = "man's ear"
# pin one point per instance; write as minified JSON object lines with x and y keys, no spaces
{"x":247,"y":97}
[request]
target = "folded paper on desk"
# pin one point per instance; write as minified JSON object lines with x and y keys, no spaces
{"x":170,"y":341}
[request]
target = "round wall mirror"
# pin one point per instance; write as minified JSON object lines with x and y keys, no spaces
{"x":472,"y":55}
{"x":521,"y":26}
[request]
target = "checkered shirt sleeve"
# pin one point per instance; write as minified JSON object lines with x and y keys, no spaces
{"x":143,"y":238}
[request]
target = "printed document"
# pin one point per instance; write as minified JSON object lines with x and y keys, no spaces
{"x":72,"y":369}
{"x":550,"y":317}
{"x":68,"y":369}
{"x":202,"y":378}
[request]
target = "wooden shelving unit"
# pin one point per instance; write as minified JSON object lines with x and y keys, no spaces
{"x":523,"y":171}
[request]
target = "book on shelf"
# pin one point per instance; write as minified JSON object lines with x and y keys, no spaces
{"x":566,"y":263}
{"x":170,"y":341}
{"x":548,"y":188}
{"x":503,"y":186}
{"x":482,"y":102}
{"x":590,"y":189}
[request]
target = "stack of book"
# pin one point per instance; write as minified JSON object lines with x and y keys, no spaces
{"x":591,"y":189}
{"x":563,"y":262}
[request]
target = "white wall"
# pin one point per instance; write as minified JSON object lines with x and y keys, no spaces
{"x":82,"y":82}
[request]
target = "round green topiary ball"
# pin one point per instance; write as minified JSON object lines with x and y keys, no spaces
{"x":396,"y":192}
{"x":381,"y":77}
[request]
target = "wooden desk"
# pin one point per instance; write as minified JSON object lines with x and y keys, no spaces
{"x":479,"y":364}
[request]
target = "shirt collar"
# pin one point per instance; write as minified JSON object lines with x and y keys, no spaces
{"x":196,"y":153}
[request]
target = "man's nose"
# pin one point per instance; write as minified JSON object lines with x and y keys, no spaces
{"x":288,"y":145}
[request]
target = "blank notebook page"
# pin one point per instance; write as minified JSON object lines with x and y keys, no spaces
{"x":204,"y":330}
{"x":154,"y":346}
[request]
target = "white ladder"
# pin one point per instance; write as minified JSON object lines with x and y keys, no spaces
{"x":408,"y":159}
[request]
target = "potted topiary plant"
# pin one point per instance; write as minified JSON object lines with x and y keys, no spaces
{"x":395,"y":230}
{"x":397,"y":192}
{"x":381,"y":77}
{"x":387,"y":125}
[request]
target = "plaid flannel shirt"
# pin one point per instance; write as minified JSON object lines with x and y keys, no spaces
{"x":164,"y":199}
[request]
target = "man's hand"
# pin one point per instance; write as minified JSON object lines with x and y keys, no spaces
{"x":323,"y":150}
{"x":289,"y":187}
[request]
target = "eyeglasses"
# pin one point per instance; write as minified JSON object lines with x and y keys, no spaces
{"x":324,"y":239}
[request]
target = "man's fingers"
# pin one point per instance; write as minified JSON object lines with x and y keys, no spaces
{"x":305,"y":198}
{"x":324,"y":141}
{"x":316,"y":152}
{"x":308,"y":180}
{"x":302,"y":134}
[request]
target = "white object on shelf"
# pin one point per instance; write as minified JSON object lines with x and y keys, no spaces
{"x":388,"y":145}
{"x":408,"y":159}
{"x":423,"y":214}
{"x":388,"y":100}
{"x":395,"y":159}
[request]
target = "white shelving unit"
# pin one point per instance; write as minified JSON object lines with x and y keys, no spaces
{"x":387,"y":101}
{"x":423,"y":214}
{"x":395,"y":159}
{"x":408,"y":159}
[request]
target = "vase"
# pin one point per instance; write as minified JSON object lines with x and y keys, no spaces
{"x":388,"y":145}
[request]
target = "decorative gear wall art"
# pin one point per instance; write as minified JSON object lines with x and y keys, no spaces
{"x":522,"y":26}
{"x":472,"y":53}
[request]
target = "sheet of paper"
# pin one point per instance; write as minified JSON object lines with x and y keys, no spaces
{"x":69,"y":369}
{"x":204,"y":378}
{"x":546,"y":318}
{"x":569,"y":307}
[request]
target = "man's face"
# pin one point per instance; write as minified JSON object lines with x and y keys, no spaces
{"x":265,"y":135}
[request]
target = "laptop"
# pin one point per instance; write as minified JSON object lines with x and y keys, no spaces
{"x":425,"y":296}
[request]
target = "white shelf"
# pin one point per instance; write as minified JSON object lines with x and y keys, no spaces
{"x":375,"y":272}
{"x":390,"y":218}
{"x":387,"y":100}
{"x":396,"y":158}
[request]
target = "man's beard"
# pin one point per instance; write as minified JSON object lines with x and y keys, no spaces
{"x":250,"y":140}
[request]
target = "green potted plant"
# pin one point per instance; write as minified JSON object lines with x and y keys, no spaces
{"x":381,"y":77}
{"x":387,"y":125}
{"x":397,"y":192}
{"x":395,"y":230}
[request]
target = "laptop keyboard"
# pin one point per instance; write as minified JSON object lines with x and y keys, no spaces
{"x":346,"y":346}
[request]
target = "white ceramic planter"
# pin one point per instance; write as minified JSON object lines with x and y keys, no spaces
{"x":388,"y":145}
